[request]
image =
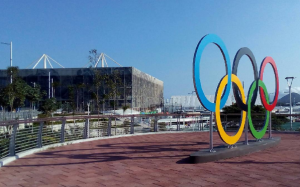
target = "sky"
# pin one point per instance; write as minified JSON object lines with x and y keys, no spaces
{"x":157,"y":37}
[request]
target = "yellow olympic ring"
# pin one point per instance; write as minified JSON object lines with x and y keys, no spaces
{"x":225,"y":137}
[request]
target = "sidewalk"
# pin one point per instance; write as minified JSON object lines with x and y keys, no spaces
{"x":154,"y":160}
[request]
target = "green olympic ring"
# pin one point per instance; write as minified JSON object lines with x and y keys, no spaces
{"x":261,"y":133}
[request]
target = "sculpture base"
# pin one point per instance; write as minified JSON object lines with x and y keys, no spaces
{"x":223,"y":152}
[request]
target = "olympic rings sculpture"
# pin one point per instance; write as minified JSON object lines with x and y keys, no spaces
{"x":231,"y":77}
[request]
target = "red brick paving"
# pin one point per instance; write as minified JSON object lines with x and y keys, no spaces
{"x":154,"y":160}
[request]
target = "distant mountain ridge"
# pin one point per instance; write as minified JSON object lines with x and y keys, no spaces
{"x":286,"y":99}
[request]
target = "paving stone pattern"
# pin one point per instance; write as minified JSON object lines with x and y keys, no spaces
{"x":154,"y":160}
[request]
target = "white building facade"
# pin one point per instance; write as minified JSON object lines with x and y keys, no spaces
{"x":184,"y":102}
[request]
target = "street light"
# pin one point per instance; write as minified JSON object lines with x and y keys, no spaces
{"x":290,"y":85}
{"x":88,"y":105}
{"x":10,"y":56}
{"x":33,"y":87}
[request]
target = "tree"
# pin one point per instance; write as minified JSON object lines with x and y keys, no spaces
{"x":12,"y":73}
{"x":71,"y":97}
{"x":231,"y":109}
{"x":34,"y":94}
{"x":16,"y":93}
{"x":3,"y":98}
{"x":49,"y":106}
{"x":256,"y":109}
{"x":3,"y":101}
{"x":125,"y":107}
{"x":258,"y":115}
{"x":99,"y":81}
{"x":98,"y":88}
{"x":113,"y":84}
{"x":93,"y":57}
{"x":78,"y":87}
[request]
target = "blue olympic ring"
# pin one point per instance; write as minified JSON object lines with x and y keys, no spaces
{"x":210,"y":38}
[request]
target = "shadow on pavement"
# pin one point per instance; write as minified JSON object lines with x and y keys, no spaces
{"x":116,"y":152}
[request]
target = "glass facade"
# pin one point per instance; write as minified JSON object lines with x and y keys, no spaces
{"x":144,"y":90}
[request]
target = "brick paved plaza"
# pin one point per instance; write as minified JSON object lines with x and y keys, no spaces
{"x":154,"y":160}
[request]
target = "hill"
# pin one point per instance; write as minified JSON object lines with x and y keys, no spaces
{"x":286,"y":99}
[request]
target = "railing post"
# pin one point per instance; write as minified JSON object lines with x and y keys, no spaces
{"x":25,"y":118}
{"x":12,"y":141}
{"x":109,"y":127}
{"x":40,"y":134}
{"x":87,"y":128}
{"x":132,"y":125}
{"x":155,"y":124}
{"x":62,"y":131}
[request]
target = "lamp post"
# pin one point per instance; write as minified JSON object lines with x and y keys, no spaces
{"x":10,"y":56}
{"x":290,"y":85}
{"x":33,"y":88}
{"x":88,"y":105}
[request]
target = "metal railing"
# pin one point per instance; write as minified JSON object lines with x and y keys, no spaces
{"x":21,"y":115}
{"x":20,"y":135}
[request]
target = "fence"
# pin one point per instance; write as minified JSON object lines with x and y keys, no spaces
{"x":4,"y":116}
{"x":20,"y":135}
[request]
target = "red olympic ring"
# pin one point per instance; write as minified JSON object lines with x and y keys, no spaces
{"x":261,"y":91}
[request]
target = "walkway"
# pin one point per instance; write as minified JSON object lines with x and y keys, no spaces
{"x":154,"y":160}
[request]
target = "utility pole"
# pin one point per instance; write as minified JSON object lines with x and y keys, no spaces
{"x":10,"y":54}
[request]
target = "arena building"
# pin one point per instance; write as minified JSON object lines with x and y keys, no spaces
{"x":136,"y":89}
